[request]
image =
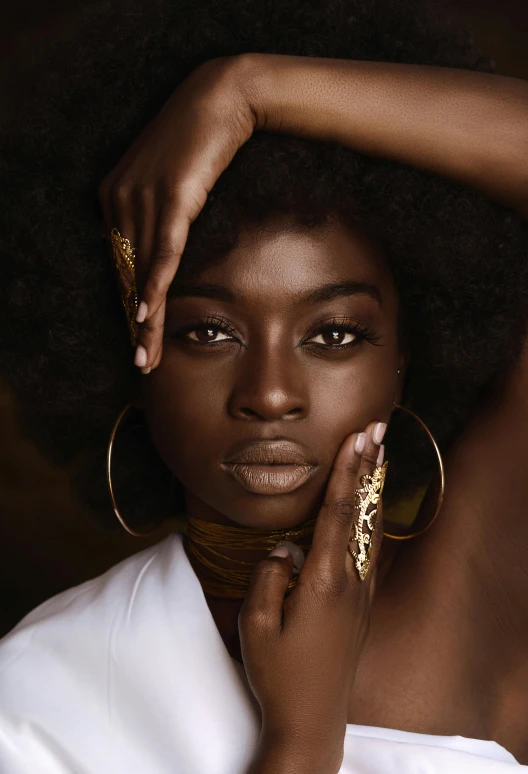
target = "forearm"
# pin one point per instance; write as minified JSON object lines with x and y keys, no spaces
{"x":469,"y":126}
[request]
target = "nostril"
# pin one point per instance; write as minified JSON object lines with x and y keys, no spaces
{"x":293,"y":413}
{"x":247,"y":412}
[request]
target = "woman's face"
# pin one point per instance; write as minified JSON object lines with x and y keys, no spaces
{"x":262,"y":346}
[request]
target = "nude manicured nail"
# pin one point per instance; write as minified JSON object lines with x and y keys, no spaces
{"x":360,"y":442}
{"x":279,"y":551}
{"x":379,"y":432}
{"x":141,"y":312}
{"x":141,"y":357}
{"x":381,"y":455}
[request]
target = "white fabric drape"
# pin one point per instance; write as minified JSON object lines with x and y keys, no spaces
{"x":128,"y":674}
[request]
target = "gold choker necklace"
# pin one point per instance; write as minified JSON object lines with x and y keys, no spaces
{"x":233,"y":584}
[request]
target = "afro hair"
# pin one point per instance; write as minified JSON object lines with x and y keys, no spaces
{"x":73,"y":107}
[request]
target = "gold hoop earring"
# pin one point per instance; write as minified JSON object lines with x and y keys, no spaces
{"x":442,"y":478}
{"x":109,"y":476}
{"x":386,"y":534}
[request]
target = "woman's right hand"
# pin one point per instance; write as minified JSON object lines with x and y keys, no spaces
{"x":161,"y":183}
{"x":301,"y":652}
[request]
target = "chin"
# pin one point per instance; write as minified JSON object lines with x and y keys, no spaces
{"x":224,"y":496}
{"x":271,"y":512}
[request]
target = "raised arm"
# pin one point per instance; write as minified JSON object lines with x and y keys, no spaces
{"x":469,"y":126}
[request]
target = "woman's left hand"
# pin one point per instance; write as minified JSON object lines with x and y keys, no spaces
{"x":301,"y":653}
{"x":161,"y":184}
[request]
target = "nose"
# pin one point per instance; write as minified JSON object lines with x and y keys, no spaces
{"x":270,"y":385}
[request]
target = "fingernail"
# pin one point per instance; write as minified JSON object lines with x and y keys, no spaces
{"x":141,"y":357}
{"x":279,"y":551}
{"x":381,"y":455}
{"x":141,"y":312}
{"x":146,"y":370}
{"x":360,"y":442}
{"x":379,"y":432}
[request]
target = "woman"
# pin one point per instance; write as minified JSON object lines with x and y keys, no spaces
{"x":364,"y":249}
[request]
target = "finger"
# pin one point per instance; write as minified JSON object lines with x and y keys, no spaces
{"x":376,"y":537}
{"x":119,"y":208}
{"x":171,"y":235}
{"x":326,"y":559}
{"x":262,"y":606}
{"x":118,"y":202}
{"x":147,"y":217}
{"x":123,"y":211}
{"x":374,"y":433}
{"x":367,"y":531}
{"x":337,"y":515}
{"x":159,"y":354}
{"x":151,"y":336}
{"x":146,"y":229}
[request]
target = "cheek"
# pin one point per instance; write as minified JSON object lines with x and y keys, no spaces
{"x":189,"y":422}
{"x":345,"y":400}
{"x":356,"y":392}
{"x":184,"y":413}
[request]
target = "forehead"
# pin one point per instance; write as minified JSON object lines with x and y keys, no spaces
{"x":282,"y":260}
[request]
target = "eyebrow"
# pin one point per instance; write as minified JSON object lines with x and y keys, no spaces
{"x":317,"y":296}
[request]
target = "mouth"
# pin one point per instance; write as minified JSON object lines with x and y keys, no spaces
{"x":270,"y":479}
{"x":270,"y":466}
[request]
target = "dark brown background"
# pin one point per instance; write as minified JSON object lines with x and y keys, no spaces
{"x":48,"y":541}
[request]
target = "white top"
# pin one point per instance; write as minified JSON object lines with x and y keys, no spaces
{"x":128,"y":674}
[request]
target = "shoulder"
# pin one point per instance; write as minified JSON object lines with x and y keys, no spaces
{"x":67,"y":629}
{"x":84,"y":660}
{"x":493,"y":448}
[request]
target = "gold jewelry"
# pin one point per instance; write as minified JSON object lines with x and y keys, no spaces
{"x":125,"y":264}
{"x":442,"y":478}
{"x":109,"y":475}
{"x":371,"y":487}
{"x":233,"y":584}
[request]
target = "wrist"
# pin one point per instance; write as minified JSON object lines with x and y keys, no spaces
{"x":228,"y":91}
{"x":255,"y":77}
{"x":293,"y":758}
{"x":275,"y":761}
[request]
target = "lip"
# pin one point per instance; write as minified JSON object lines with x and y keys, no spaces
{"x":277,"y":451}
{"x":270,"y":479}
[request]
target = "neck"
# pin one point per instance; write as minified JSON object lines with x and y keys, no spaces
{"x":225,"y":552}
{"x":224,"y":610}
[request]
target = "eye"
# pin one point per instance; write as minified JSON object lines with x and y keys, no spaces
{"x":206,"y":334}
{"x":332,"y":335}
{"x":209,"y":331}
{"x":341,"y":334}
{"x":335,"y":336}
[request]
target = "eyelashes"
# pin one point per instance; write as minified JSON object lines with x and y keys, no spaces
{"x":341,"y":326}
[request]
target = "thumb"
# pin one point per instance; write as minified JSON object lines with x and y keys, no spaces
{"x":262,"y":606}
{"x":279,"y":550}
